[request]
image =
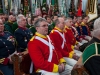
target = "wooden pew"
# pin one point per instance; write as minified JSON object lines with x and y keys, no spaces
{"x":1,"y":73}
{"x":22,"y":65}
{"x":79,"y":71}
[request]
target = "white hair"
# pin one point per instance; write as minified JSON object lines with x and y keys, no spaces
{"x":19,"y":18}
{"x":96,"y":31}
{"x":67,"y":19}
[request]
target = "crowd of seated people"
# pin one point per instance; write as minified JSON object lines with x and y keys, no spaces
{"x":53,"y":42}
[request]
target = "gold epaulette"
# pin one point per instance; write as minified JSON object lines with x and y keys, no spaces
{"x":30,"y":27}
{"x":16,"y":29}
{"x":82,"y":24}
{"x":32,"y":38}
{"x":65,"y":30}
{"x":66,"y":27}
{"x":52,"y":31}
{"x":76,"y":25}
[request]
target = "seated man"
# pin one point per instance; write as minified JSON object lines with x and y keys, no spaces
{"x":22,"y":34}
{"x":69,"y":36}
{"x":44,"y":54}
{"x":85,"y":29}
{"x":7,"y":49}
{"x":9,"y":24}
{"x":58,"y":38}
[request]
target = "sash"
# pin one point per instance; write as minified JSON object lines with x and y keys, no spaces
{"x":51,"y":47}
{"x":62,"y":35}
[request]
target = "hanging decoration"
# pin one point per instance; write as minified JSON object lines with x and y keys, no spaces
{"x":25,"y":6}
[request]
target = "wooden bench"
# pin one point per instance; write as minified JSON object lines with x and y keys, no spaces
{"x":22,"y":65}
{"x":79,"y":71}
{"x":1,"y":73}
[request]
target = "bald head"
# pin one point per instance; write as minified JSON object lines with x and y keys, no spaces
{"x":57,"y":21}
{"x":60,"y":23}
{"x":10,"y":18}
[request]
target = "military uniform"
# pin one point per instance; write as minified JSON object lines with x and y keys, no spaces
{"x":38,"y":48}
{"x":11,"y":26}
{"x":22,"y":35}
{"x":42,"y":50}
{"x":50,"y":27}
{"x":32,"y":29}
{"x":60,"y":42}
{"x":85,"y":29}
{"x":8,"y":26}
{"x":7,"y":47}
{"x":70,"y":39}
{"x":69,"y":36}
{"x":28,"y":26}
{"x":14,"y":26}
{"x":79,"y":28}
{"x":80,"y":34}
{"x":53,"y":25}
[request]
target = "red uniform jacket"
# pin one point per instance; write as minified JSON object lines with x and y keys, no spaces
{"x":66,"y":51}
{"x":39,"y":53}
{"x":69,"y":36}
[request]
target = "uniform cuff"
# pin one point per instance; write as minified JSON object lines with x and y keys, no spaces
{"x":62,"y":60}
{"x":76,"y":42}
{"x":72,"y":47}
{"x":6,"y":60}
{"x":55,"y":68}
{"x":71,"y":54}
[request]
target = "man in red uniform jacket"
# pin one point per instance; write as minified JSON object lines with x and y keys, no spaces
{"x":58,"y":38}
{"x":43,"y":53}
{"x":69,"y":36}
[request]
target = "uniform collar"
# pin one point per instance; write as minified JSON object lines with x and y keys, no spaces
{"x":10,"y":21}
{"x":40,"y":35}
{"x":83,"y":24}
{"x":24,"y":28}
{"x":2,"y":34}
{"x":77,"y":23}
{"x":58,"y":29}
{"x":67,"y":27}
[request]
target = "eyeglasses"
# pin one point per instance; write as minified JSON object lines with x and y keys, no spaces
{"x":1,"y":24}
{"x":23,"y":20}
{"x":43,"y":26}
